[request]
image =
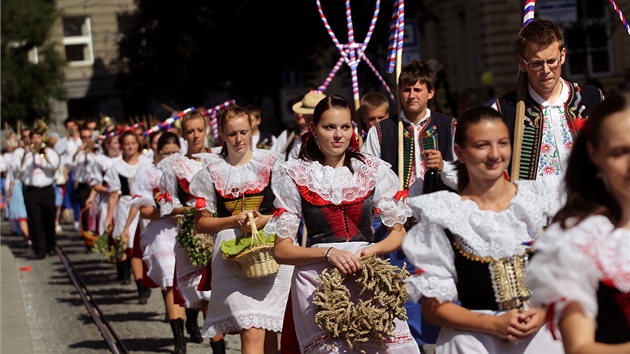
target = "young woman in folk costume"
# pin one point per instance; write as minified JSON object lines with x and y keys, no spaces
{"x":175,"y":199}
{"x":120,"y":178}
{"x":233,"y":184}
{"x":111,"y":154}
{"x":137,"y":266}
{"x":473,"y":247}
{"x":336,"y":189}
{"x":158,"y":236}
{"x":581,"y":268}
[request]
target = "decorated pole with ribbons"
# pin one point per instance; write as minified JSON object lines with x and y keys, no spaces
{"x":396,"y":37}
{"x":167,"y":122}
{"x":214,"y":122}
{"x":620,"y":14}
{"x":353,"y":52}
{"x":521,"y":95}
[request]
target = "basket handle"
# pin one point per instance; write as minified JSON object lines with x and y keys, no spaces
{"x":256,"y":239}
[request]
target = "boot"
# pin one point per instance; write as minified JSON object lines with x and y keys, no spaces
{"x":119,"y":271}
{"x":144,"y":293}
{"x":166,"y":318}
{"x":218,"y":347}
{"x":126,"y":272}
{"x":192,"y":327}
{"x":178,"y":336}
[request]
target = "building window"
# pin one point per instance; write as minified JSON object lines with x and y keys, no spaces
{"x":77,"y":40}
{"x":588,"y":40}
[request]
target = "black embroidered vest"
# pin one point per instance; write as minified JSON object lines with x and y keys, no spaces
{"x":581,"y":101}
{"x":613,"y":315}
{"x":439,"y":125}
{"x":124,"y":185}
{"x":338,"y":223}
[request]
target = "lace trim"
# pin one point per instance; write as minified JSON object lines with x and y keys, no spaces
{"x":393,"y":212}
{"x":283,"y":226}
{"x":182,"y":167}
{"x":487,"y":233}
{"x":317,"y":200}
{"x":442,"y":290}
{"x":232,"y":182}
{"x":335,"y":185}
{"x":243,"y":321}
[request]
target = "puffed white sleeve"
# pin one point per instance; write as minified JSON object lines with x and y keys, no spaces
{"x":392,"y":210}
{"x":141,"y":191}
{"x":202,"y":187}
{"x":168,"y":188}
{"x":560,"y":272}
{"x":428,"y":248}
{"x":112,"y":180}
{"x":286,"y":219}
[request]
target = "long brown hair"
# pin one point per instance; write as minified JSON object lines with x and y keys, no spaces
{"x":586,"y":191}
{"x":309,"y":150}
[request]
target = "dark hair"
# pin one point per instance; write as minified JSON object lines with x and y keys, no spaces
{"x":467,"y":119}
{"x":83,"y":127}
{"x":167,"y":138}
{"x":539,"y":33}
{"x":33,"y":132}
{"x":127,"y":133}
{"x":153,"y":135}
{"x":232,"y":112}
{"x":69,"y":120}
{"x":254,"y":111}
{"x":309,"y":150}
{"x":586,"y":192}
{"x":417,"y":71}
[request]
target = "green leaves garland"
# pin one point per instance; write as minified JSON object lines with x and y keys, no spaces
{"x":199,"y":246}
{"x":112,"y":253}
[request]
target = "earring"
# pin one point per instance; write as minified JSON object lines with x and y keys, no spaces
{"x":602,"y":177}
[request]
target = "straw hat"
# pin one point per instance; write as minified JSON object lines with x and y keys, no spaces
{"x":308,"y":103}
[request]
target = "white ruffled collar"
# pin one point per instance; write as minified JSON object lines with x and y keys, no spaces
{"x":487,"y":233}
{"x":126,"y":170}
{"x":335,"y":185}
{"x":233,"y":181}
{"x":182,"y":166}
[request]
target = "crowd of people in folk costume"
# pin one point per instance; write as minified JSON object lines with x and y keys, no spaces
{"x":534,"y":263}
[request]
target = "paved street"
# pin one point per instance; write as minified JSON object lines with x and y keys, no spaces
{"x":55,"y":320}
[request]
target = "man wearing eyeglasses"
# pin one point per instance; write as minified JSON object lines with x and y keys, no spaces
{"x":552,"y":105}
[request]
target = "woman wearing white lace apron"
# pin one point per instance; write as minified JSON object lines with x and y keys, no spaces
{"x":177,"y":173}
{"x":337,"y":190}
{"x":111,"y":154}
{"x":473,"y":247}
{"x":234,"y":183}
{"x":119,"y":179}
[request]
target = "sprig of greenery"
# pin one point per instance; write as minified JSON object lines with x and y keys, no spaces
{"x":112,"y":253}
{"x":199,"y":246}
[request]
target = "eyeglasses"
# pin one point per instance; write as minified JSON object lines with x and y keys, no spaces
{"x":538,"y":65}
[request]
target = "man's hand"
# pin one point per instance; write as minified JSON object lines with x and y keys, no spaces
{"x":434,"y":159}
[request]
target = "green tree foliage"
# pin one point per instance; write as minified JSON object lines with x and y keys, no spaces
{"x":27,"y":88}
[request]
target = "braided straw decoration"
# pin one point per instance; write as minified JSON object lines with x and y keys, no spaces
{"x":370,"y":319}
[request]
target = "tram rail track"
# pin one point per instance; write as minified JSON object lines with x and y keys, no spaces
{"x":114,"y":342}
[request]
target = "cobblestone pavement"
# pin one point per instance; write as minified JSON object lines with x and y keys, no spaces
{"x":59,"y":321}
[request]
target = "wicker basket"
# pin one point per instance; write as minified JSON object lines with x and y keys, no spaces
{"x":88,"y":237}
{"x":257,"y":261}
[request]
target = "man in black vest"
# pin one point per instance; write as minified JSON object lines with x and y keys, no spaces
{"x":554,"y":107}
{"x":427,"y":142}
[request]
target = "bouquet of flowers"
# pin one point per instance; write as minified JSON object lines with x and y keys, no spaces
{"x":199,"y":246}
